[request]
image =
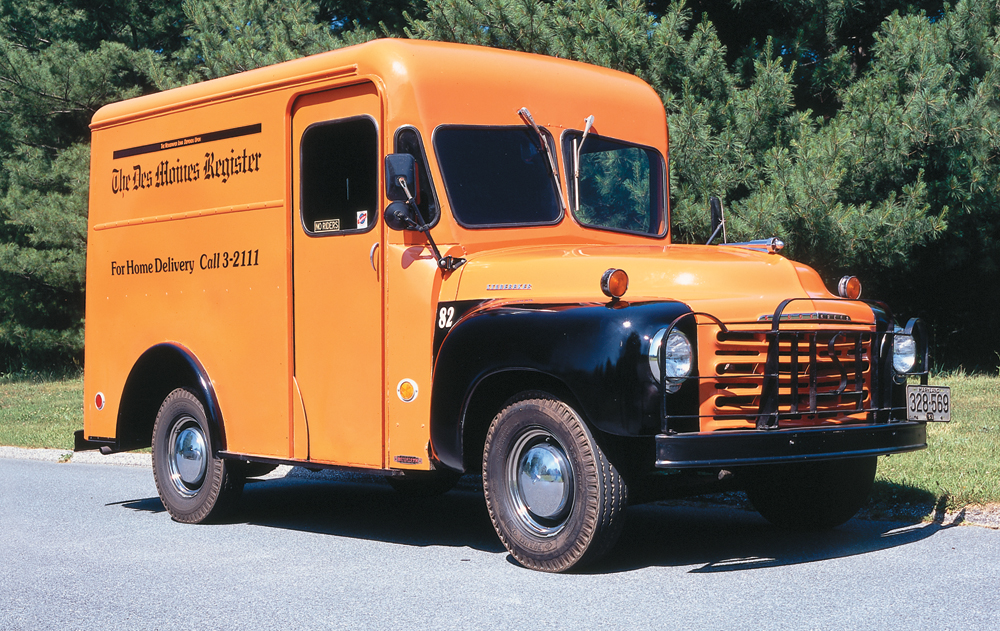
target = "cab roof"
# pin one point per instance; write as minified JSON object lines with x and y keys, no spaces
{"x":418,"y":76}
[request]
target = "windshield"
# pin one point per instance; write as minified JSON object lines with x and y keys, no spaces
{"x":497,"y":176}
{"x":620,"y":188}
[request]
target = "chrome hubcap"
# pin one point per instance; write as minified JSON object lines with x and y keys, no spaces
{"x":540,"y":479}
{"x":188,"y":457}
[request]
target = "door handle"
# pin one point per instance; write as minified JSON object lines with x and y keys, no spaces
{"x":371,"y":256}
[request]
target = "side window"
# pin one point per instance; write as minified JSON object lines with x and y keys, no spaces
{"x":408,"y":141}
{"x":339,"y":176}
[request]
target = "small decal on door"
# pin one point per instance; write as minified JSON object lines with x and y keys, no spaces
{"x":362,"y":219}
{"x":327,"y":225}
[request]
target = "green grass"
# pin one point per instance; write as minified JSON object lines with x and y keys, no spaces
{"x":960,"y":467}
{"x":40,"y":412}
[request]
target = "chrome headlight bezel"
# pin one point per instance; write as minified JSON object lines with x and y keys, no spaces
{"x":904,"y":352}
{"x":679,"y":360}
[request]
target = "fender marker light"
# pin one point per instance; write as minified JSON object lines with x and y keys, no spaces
{"x":614,"y":283}
{"x":406,"y":390}
{"x":99,"y":400}
{"x":849,"y":287}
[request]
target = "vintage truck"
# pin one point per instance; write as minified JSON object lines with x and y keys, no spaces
{"x":425,"y":260}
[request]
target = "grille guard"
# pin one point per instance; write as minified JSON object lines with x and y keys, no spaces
{"x":780,"y":329}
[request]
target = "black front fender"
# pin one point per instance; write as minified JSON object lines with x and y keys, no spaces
{"x":597,"y":352}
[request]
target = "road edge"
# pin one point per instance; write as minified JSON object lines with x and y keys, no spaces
{"x":127,"y":459}
{"x":983,"y":516}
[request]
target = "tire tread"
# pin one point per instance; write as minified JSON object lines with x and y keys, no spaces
{"x":223,"y":484}
{"x":603,"y":519}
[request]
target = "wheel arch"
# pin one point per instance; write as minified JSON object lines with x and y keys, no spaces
{"x":159,"y":371}
{"x":488,"y":397}
{"x":590,"y":355}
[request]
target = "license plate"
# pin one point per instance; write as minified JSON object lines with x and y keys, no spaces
{"x":928,"y":403}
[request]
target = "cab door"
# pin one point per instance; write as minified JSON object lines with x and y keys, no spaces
{"x":337,"y":243}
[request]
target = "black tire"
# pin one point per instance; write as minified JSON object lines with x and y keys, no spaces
{"x":567,"y":521}
{"x":424,"y":483}
{"x":193,"y":484}
{"x":811,"y":495}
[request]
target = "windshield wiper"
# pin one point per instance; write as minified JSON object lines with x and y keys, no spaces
{"x":577,"y":150}
{"x":526,"y":115}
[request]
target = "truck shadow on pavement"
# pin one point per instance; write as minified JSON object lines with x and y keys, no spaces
{"x":711,"y":538}
{"x":362,"y":507}
{"x":725,"y":539}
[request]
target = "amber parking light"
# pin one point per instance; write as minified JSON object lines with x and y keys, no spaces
{"x":849,"y":287}
{"x":614,"y":283}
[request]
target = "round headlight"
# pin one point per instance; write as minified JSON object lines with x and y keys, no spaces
{"x":904,"y":352}
{"x":679,"y":356}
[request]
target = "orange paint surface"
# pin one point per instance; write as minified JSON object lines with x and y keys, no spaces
{"x":196,"y":238}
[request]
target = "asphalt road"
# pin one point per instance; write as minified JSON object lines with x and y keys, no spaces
{"x":85,"y":546}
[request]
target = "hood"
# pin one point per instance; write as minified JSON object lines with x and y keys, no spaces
{"x":733,"y":284}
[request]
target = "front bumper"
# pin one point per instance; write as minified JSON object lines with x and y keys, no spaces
{"x":724,"y":449}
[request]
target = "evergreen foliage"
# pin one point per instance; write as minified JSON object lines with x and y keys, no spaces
{"x":229,"y":36}
{"x":864,"y":132}
{"x":59,"y":62}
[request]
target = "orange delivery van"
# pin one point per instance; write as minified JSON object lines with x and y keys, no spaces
{"x":424,"y":260}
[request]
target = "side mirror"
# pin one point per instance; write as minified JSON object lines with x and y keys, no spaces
{"x":397,"y":216}
{"x":717,"y":221}
{"x":400,"y":177}
{"x":715,"y":208}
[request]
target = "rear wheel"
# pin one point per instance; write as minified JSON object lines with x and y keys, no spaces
{"x":193,"y":484}
{"x":553,"y":497}
{"x":811,"y":495}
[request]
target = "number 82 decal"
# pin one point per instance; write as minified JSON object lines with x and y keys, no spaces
{"x":445,"y":317}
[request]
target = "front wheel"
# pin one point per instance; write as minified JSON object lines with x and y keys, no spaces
{"x":193,"y":484}
{"x":811,"y":495}
{"x":553,"y":497}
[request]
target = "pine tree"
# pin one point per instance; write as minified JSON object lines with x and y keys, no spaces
{"x":864,"y":133}
{"x":229,"y":36}
{"x":59,"y":62}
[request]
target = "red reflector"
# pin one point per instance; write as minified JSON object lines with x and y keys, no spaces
{"x":99,"y":400}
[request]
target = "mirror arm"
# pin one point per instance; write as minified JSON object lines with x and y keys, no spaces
{"x":718,"y":229}
{"x":718,"y":214}
{"x":447,"y":263}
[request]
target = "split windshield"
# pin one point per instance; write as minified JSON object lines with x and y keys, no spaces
{"x":498,"y":176}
